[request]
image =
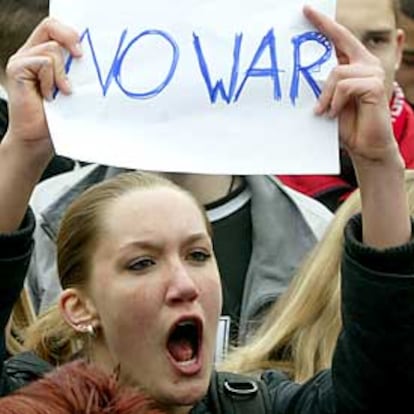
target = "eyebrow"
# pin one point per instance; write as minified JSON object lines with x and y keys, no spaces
{"x":154,"y":246}
{"x":379,"y":32}
{"x":408,"y":52}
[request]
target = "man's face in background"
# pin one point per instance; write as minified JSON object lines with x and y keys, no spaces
{"x":374,"y":23}
{"x":405,"y":74}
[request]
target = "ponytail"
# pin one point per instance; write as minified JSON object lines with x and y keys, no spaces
{"x":53,"y":339}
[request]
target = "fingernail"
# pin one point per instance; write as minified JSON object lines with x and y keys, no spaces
{"x":317,"y":109}
{"x":68,"y":85}
{"x":78,"y":48}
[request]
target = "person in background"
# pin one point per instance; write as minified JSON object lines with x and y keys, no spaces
{"x":17,"y":20}
{"x":375,"y":23}
{"x":405,"y":73}
{"x":299,"y":334}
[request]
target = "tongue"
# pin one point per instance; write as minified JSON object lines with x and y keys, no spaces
{"x":181,"y":350}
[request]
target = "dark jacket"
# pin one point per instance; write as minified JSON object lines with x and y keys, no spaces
{"x":57,"y":165}
{"x":373,"y":366}
{"x":4,"y":118}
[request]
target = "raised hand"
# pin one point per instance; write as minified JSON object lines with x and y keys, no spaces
{"x":32,"y":75}
{"x":355,"y":93}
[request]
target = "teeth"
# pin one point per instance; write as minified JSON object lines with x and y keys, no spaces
{"x":186,"y":323}
{"x":186,"y":363}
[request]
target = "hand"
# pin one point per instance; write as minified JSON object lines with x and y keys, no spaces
{"x":32,"y":75}
{"x":355,"y":92}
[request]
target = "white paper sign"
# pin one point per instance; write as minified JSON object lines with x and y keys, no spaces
{"x":202,"y":86}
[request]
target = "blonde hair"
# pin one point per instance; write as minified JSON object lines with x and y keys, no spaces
{"x":80,"y":231}
{"x":299,"y":333}
{"x":22,"y":316}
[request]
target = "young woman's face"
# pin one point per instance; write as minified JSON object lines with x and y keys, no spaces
{"x":156,"y":290}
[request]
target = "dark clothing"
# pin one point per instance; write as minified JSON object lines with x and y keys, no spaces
{"x":373,"y":366}
{"x":21,"y":370}
{"x":335,"y":195}
{"x":233,"y":239}
{"x":15,"y":252}
{"x":56,"y":166}
{"x":4,"y":119}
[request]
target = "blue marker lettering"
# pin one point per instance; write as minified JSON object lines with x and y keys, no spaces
{"x":268,"y":42}
{"x":104,"y":84}
{"x":156,"y":91}
{"x":298,"y":41}
{"x":219,"y":88}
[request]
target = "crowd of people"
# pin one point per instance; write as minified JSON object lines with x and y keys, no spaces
{"x":113,"y":281}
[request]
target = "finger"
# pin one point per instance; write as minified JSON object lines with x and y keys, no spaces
{"x":45,"y":76}
{"x":37,"y":72}
{"x":51,"y":29}
{"x":360,"y":91}
{"x":53,"y":51}
{"x":31,"y":70}
{"x":338,"y":74}
{"x":344,"y":41}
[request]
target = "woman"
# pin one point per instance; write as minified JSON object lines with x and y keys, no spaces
{"x":135,"y":255}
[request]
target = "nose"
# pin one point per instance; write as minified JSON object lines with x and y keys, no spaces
{"x":182,"y":287}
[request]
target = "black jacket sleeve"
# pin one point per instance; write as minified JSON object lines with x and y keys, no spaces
{"x":15,"y":252}
{"x":373,"y":366}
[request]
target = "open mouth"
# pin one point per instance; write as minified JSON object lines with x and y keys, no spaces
{"x":184,"y":342}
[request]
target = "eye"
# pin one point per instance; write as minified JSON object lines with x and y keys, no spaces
{"x":408,"y":61}
{"x":141,"y":264}
{"x":376,"y":41}
{"x":199,"y":256}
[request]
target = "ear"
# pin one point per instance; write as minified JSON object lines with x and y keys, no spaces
{"x":78,"y":310}
{"x":400,"y":40}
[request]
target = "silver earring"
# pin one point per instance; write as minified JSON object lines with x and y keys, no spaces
{"x":90,"y":329}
